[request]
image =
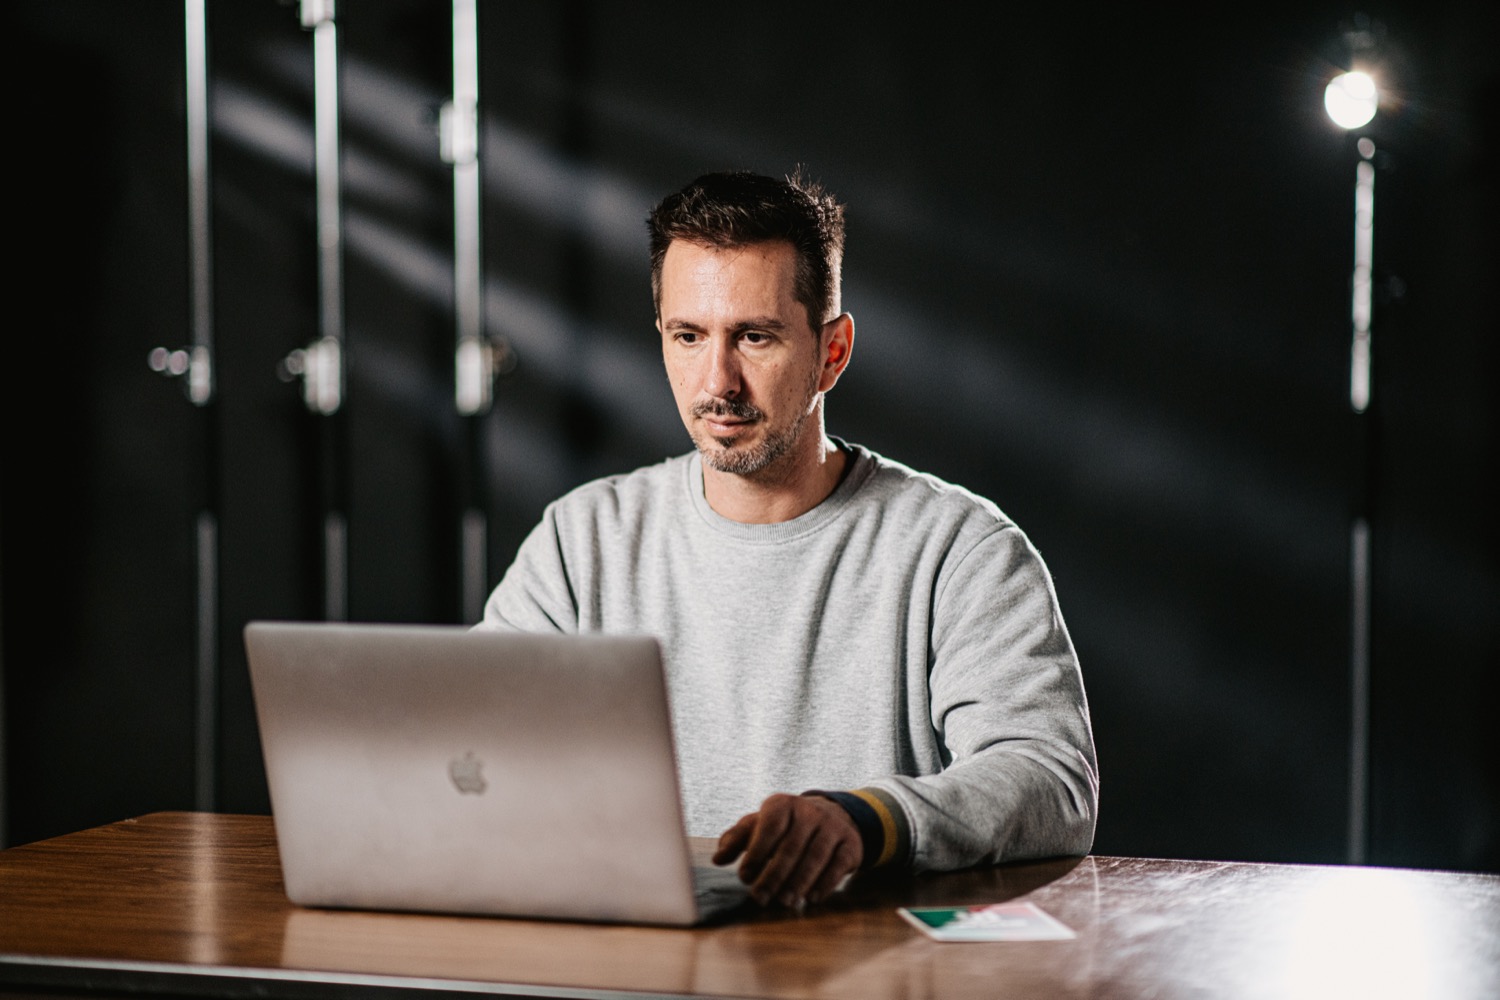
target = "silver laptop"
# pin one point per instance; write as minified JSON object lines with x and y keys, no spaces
{"x":439,"y":769}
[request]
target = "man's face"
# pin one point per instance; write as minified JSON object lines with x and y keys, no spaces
{"x":744,"y":362}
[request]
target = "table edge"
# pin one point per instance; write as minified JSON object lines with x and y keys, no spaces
{"x":131,"y":976}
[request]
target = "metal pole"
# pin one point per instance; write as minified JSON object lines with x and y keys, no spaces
{"x":1364,"y":256}
{"x":1360,"y":397}
{"x":4,"y":770}
{"x":1359,"y":686}
{"x":460,"y":147}
{"x":323,"y":361}
{"x":201,"y":392}
{"x":474,"y":353}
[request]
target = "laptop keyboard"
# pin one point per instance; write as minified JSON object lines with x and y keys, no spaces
{"x":717,"y":889}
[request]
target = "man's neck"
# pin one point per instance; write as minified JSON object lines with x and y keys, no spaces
{"x":785,"y":490}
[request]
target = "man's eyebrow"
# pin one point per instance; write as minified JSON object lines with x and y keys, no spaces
{"x":753,"y":323}
{"x":759,"y":323}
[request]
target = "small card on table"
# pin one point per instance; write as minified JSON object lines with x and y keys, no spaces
{"x":992,"y":922}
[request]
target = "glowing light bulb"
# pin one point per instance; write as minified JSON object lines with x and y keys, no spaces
{"x":1351,"y":99}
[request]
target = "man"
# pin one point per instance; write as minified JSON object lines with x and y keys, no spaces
{"x":873,"y":655}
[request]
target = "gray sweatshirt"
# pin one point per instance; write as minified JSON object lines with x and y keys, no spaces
{"x":901,"y":640}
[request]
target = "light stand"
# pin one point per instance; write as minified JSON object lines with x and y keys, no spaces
{"x":1351,"y":100}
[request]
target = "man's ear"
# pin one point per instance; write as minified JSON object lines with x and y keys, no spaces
{"x":837,"y":346}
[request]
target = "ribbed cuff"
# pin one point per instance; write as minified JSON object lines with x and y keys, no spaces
{"x":881,"y":822}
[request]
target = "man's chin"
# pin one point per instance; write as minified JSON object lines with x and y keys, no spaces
{"x":718,"y":453}
{"x":721,"y":455}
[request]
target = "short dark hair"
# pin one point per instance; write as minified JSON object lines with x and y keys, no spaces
{"x":738,"y":208}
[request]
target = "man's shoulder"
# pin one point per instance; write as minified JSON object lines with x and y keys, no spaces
{"x":895,"y":484}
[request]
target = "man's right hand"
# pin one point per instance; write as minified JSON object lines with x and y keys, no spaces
{"x":796,"y":849}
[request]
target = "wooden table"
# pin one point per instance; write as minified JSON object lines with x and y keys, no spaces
{"x":191,"y":903}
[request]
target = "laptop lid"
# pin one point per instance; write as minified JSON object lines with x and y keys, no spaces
{"x":437,"y":768}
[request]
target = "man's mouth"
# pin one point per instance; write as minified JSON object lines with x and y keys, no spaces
{"x":725,"y":417}
{"x":724,"y":428}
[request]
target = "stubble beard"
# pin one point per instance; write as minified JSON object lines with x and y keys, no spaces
{"x":719,"y":453}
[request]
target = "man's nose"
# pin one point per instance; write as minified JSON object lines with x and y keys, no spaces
{"x":722,"y":380}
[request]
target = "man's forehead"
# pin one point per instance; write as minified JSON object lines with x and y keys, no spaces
{"x":779,"y":252}
{"x":754,"y":275}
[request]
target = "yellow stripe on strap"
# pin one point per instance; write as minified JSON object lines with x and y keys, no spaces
{"x":887,"y":826}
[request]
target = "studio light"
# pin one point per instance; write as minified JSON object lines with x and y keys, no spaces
{"x":1351,"y":99}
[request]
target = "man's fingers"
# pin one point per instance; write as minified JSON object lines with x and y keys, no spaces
{"x":780,"y":876}
{"x":733,"y":840}
{"x":797,"y":864}
{"x":843,"y":863}
{"x":831,"y":855}
{"x":795,"y":848}
{"x":771,"y":825}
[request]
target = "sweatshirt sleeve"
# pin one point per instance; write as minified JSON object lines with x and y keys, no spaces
{"x":536,"y":594}
{"x":1020,"y":778}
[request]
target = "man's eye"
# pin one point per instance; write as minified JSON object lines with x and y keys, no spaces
{"x":686,"y":337}
{"x":755,"y":337}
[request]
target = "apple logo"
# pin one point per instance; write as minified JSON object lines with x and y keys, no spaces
{"x":465,"y":772}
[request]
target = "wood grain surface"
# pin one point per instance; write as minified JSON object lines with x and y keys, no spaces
{"x":193,"y":903}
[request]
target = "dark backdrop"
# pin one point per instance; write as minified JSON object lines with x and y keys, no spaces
{"x":1099,"y":265}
